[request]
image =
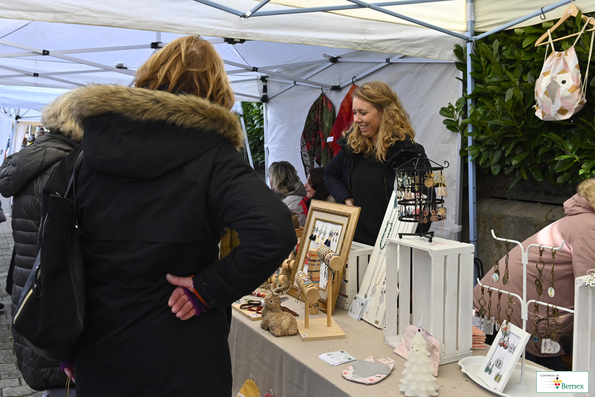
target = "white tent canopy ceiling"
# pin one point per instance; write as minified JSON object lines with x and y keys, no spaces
{"x":282,"y":52}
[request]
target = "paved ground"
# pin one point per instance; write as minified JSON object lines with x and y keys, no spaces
{"x":11,"y":381}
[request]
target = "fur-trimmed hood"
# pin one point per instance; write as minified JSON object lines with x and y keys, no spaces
{"x":137,"y":104}
{"x":584,"y":199}
{"x":141,"y":133}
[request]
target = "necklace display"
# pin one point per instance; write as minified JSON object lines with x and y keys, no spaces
{"x":505,"y":277}
{"x":373,"y":288}
{"x":488,"y":324}
{"x":535,"y":338}
{"x":380,"y":265}
{"x":551,"y":291}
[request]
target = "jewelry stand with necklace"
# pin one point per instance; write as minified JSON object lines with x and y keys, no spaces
{"x":319,"y":328}
{"x":422,"y":191}
{"x":373,"y":287}
{"x":535,"y":338}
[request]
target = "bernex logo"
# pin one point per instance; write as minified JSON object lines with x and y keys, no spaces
{"x":562,"y":382}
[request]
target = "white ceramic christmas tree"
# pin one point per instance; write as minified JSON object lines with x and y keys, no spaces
{"x":417,"y":376}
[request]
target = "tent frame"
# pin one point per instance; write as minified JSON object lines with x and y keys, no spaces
{"x":469,"y":38}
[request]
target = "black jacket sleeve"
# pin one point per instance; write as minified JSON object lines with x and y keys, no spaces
{"x":335,"y":177}
{"x":240,"y":200}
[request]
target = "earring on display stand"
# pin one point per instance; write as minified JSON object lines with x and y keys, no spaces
{"x":505,"y":277}
{"x":551,"y":291}
{"x":498,"y":308}
{"x":496,"y":273}
{"x":538,"y":283}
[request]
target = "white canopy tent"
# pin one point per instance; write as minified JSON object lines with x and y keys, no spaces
{"x":72,"y":43}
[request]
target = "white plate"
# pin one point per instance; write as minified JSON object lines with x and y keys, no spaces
{"x":471,"y":366}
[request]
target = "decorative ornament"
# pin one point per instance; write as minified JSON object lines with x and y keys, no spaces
{"x":249,"y":389}
{"x":496,"y":273}
{"x":417,"y":376}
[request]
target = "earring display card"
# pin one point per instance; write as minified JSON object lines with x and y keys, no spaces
{"x":503,"y":356}
{"x":357,"y":307}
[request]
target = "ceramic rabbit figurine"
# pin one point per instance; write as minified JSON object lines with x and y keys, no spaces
{"x":278,"y":322}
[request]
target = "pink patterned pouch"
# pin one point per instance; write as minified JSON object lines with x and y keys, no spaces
{"x":432,"y":343}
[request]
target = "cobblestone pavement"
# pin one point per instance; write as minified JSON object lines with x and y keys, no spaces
{"x":11,"y":382}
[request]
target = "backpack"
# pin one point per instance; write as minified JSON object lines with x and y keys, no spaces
{"x":559,"y":92}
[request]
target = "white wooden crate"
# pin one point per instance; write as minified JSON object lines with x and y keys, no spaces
{"x":583,"y":351}
{"x":355,"y":269}
{"x":442,"y":292}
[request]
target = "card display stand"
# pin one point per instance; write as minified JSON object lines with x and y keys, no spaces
{"x":433,"y":282}
{"x":374,"y":285}
{"x":353,"y":276}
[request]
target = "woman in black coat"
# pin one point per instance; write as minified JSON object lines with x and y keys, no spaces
{"x":363,"y":172}
{"x":22,"y":177}
{"x":161,"y":178}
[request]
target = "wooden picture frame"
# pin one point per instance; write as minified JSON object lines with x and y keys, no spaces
{"x":324,"y":216}
{"x":499,"y":363}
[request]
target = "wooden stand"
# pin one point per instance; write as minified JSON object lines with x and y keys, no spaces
{"x":317,"y":329}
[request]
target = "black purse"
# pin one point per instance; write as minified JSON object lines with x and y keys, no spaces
{"x":50,"y":313}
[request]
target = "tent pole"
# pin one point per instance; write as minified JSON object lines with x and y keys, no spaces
{"x":470,"y":128}
{"x":265,"y":116}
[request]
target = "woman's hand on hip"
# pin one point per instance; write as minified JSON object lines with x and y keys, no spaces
{"x":179,"y":302}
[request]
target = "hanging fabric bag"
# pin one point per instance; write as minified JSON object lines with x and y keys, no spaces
{"x":559,"y":92}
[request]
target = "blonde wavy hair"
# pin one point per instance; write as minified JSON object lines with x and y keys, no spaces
{"x":188,"y":64}
{"x":394,"y":126}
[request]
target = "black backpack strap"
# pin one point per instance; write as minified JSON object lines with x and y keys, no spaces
{"x":72,"y":181}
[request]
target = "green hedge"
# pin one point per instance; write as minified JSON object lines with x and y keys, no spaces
{"x":508,"y":137}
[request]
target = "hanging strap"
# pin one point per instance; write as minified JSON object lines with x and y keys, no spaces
{"x":72,"y":181}
{"x":584,"y":86}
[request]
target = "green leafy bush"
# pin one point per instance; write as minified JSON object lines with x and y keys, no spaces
{"x":508,"y":137}
{"x":254,"y":121}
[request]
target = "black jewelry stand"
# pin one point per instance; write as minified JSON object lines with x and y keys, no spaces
{"x":416,"y":194}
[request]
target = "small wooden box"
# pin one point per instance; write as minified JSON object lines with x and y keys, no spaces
{"x":583,"y":352}
{"x":357,"y":263}
{"x":435,"y":281}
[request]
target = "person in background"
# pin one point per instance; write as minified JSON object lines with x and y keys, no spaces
{"x":151,"y":213}
{"x":284,"y":181}
{"x":22,"y":177}
{"x":363,"y":172}
{"x":40,"y":132}
{"x":315,"y":189}
{"x":8,"y":289}
{"x":574,"y":259}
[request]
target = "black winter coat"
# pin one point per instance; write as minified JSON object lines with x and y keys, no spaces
{"x":339,"y":172}
{"x":161,"y":178}
{"x":23,"y":176}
